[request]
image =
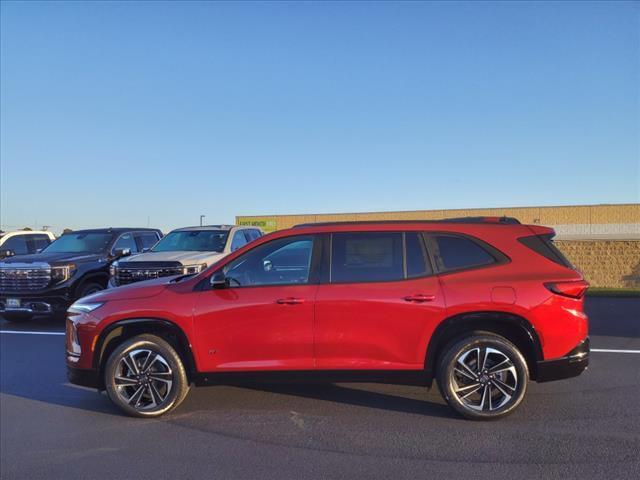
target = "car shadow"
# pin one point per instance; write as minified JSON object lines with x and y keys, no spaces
{"x":203,"y":398}
{"x":364,"y":395}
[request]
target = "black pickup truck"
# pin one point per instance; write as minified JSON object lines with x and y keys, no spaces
{"x":73,"y":266}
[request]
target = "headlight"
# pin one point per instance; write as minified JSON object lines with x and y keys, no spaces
{"x":84,"y":307}
{"x":191,"y":269}
{"x":73,"y":343}
{"x":62,"y":273}
{"x":113,"y":269}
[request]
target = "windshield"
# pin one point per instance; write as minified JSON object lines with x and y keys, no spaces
{"x":193,"y":241}
{"x":80,"y":243}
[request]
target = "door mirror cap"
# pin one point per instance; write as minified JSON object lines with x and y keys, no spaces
{"x":218,"y":280}
{"x":122,"y":252}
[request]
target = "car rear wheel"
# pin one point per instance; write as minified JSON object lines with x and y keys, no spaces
{"x":145,"y":377}
{"x":483,"y":377}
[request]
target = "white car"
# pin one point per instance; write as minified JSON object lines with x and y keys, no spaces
{"x":181,"y":252}
{"x":24,"y":242}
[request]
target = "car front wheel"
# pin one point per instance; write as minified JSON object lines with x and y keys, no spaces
{"x":483,"y":377}
{"x":145,"y":377}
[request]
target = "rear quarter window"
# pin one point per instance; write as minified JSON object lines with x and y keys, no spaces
{"x":543,"y":245}
{"x":453,"y":252}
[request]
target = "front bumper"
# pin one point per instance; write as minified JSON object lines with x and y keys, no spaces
{"x":44,"y":303}
{"x":571,"y":365}
{"x":84,"y":377}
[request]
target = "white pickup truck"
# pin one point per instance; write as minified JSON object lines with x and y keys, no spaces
{"x":183,"y":251}
{"x":24,"y":242}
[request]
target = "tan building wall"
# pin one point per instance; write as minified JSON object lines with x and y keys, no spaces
{"x":589,"y":216}
{"x":605,"y":263}
{"x":603,"y":241}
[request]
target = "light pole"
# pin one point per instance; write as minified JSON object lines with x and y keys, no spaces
{"x":201,"y":217}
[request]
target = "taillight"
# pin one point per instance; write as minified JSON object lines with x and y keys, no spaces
{"x":568,"y":289}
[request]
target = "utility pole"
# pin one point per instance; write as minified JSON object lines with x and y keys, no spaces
{"x":201,"y":217}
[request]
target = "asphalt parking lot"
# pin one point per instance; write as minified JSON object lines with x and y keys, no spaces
{"x":587,"y":427}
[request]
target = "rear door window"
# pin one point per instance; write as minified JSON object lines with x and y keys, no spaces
{"x":238,"y":241}
{"x":453,"y":252}
{"x":38,"y":242}
{"x":366,"y":257}
{"x":147,"y":240}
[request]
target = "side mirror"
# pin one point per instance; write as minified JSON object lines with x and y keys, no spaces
{"x":122,"y":252}
{"x":7,"y":253}
{"x":145,"y":250}
{"x":218,"y":280}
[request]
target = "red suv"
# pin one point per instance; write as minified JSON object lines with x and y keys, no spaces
{"x":480,"y":304}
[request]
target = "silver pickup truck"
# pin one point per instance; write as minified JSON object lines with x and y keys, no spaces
{"x":183,"y":251}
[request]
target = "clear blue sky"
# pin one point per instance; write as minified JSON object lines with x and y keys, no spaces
{"x":115,"y":112}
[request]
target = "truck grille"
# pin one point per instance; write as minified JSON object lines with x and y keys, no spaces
{"x":24,"y":279}
{"x":127,"y":274}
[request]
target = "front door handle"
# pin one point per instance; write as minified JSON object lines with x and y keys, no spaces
{"x":290,"y":301}
{"x":419,"y":298}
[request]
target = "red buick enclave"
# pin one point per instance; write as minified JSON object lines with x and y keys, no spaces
{"x":480,"y":304}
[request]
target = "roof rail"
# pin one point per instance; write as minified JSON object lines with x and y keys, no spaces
{"x":468,"y":220}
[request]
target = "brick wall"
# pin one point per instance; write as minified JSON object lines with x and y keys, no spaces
{"x":606,"y":263}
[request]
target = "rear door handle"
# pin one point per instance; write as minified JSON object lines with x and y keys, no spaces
{"x":419,"y":298}
{"x":290,"y":301}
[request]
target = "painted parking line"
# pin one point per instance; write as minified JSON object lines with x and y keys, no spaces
{"x":607,"y":350}
{"x":18,"y":332}
{"x":31,"y":333}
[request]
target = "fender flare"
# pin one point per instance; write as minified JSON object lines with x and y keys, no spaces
{"x":117,"y":329}
{"x":455,"y":327}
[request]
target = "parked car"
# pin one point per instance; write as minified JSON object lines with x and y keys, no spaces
{"x":73,"y":266}
{"x":481,"y":305}
{"x":183,"y":251}
{"x":24,"y":242}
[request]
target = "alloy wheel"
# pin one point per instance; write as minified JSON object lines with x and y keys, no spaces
{"x":484,"y":379}
{"x":143,"y":379}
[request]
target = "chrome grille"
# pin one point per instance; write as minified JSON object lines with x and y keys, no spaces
{"x":20,"y":279}
{"x":126,"y":275}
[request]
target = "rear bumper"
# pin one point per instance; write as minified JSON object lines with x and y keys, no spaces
{"x":571,"y":365}
{"x":84,"y":377}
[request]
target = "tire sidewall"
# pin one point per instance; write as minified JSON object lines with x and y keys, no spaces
{"x":179,"y":387}
{"x":89,"y":289}
{"x":445,"y":378}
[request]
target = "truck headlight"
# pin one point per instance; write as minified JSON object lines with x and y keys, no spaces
{"x":191,"y":269}
{"x":62,"y":273}
{"x":113,"y":269}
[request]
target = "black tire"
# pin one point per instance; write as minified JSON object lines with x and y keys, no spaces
{"x":502,"y":376}
{"x":167,"y":366}
{"x":89,"y":288}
